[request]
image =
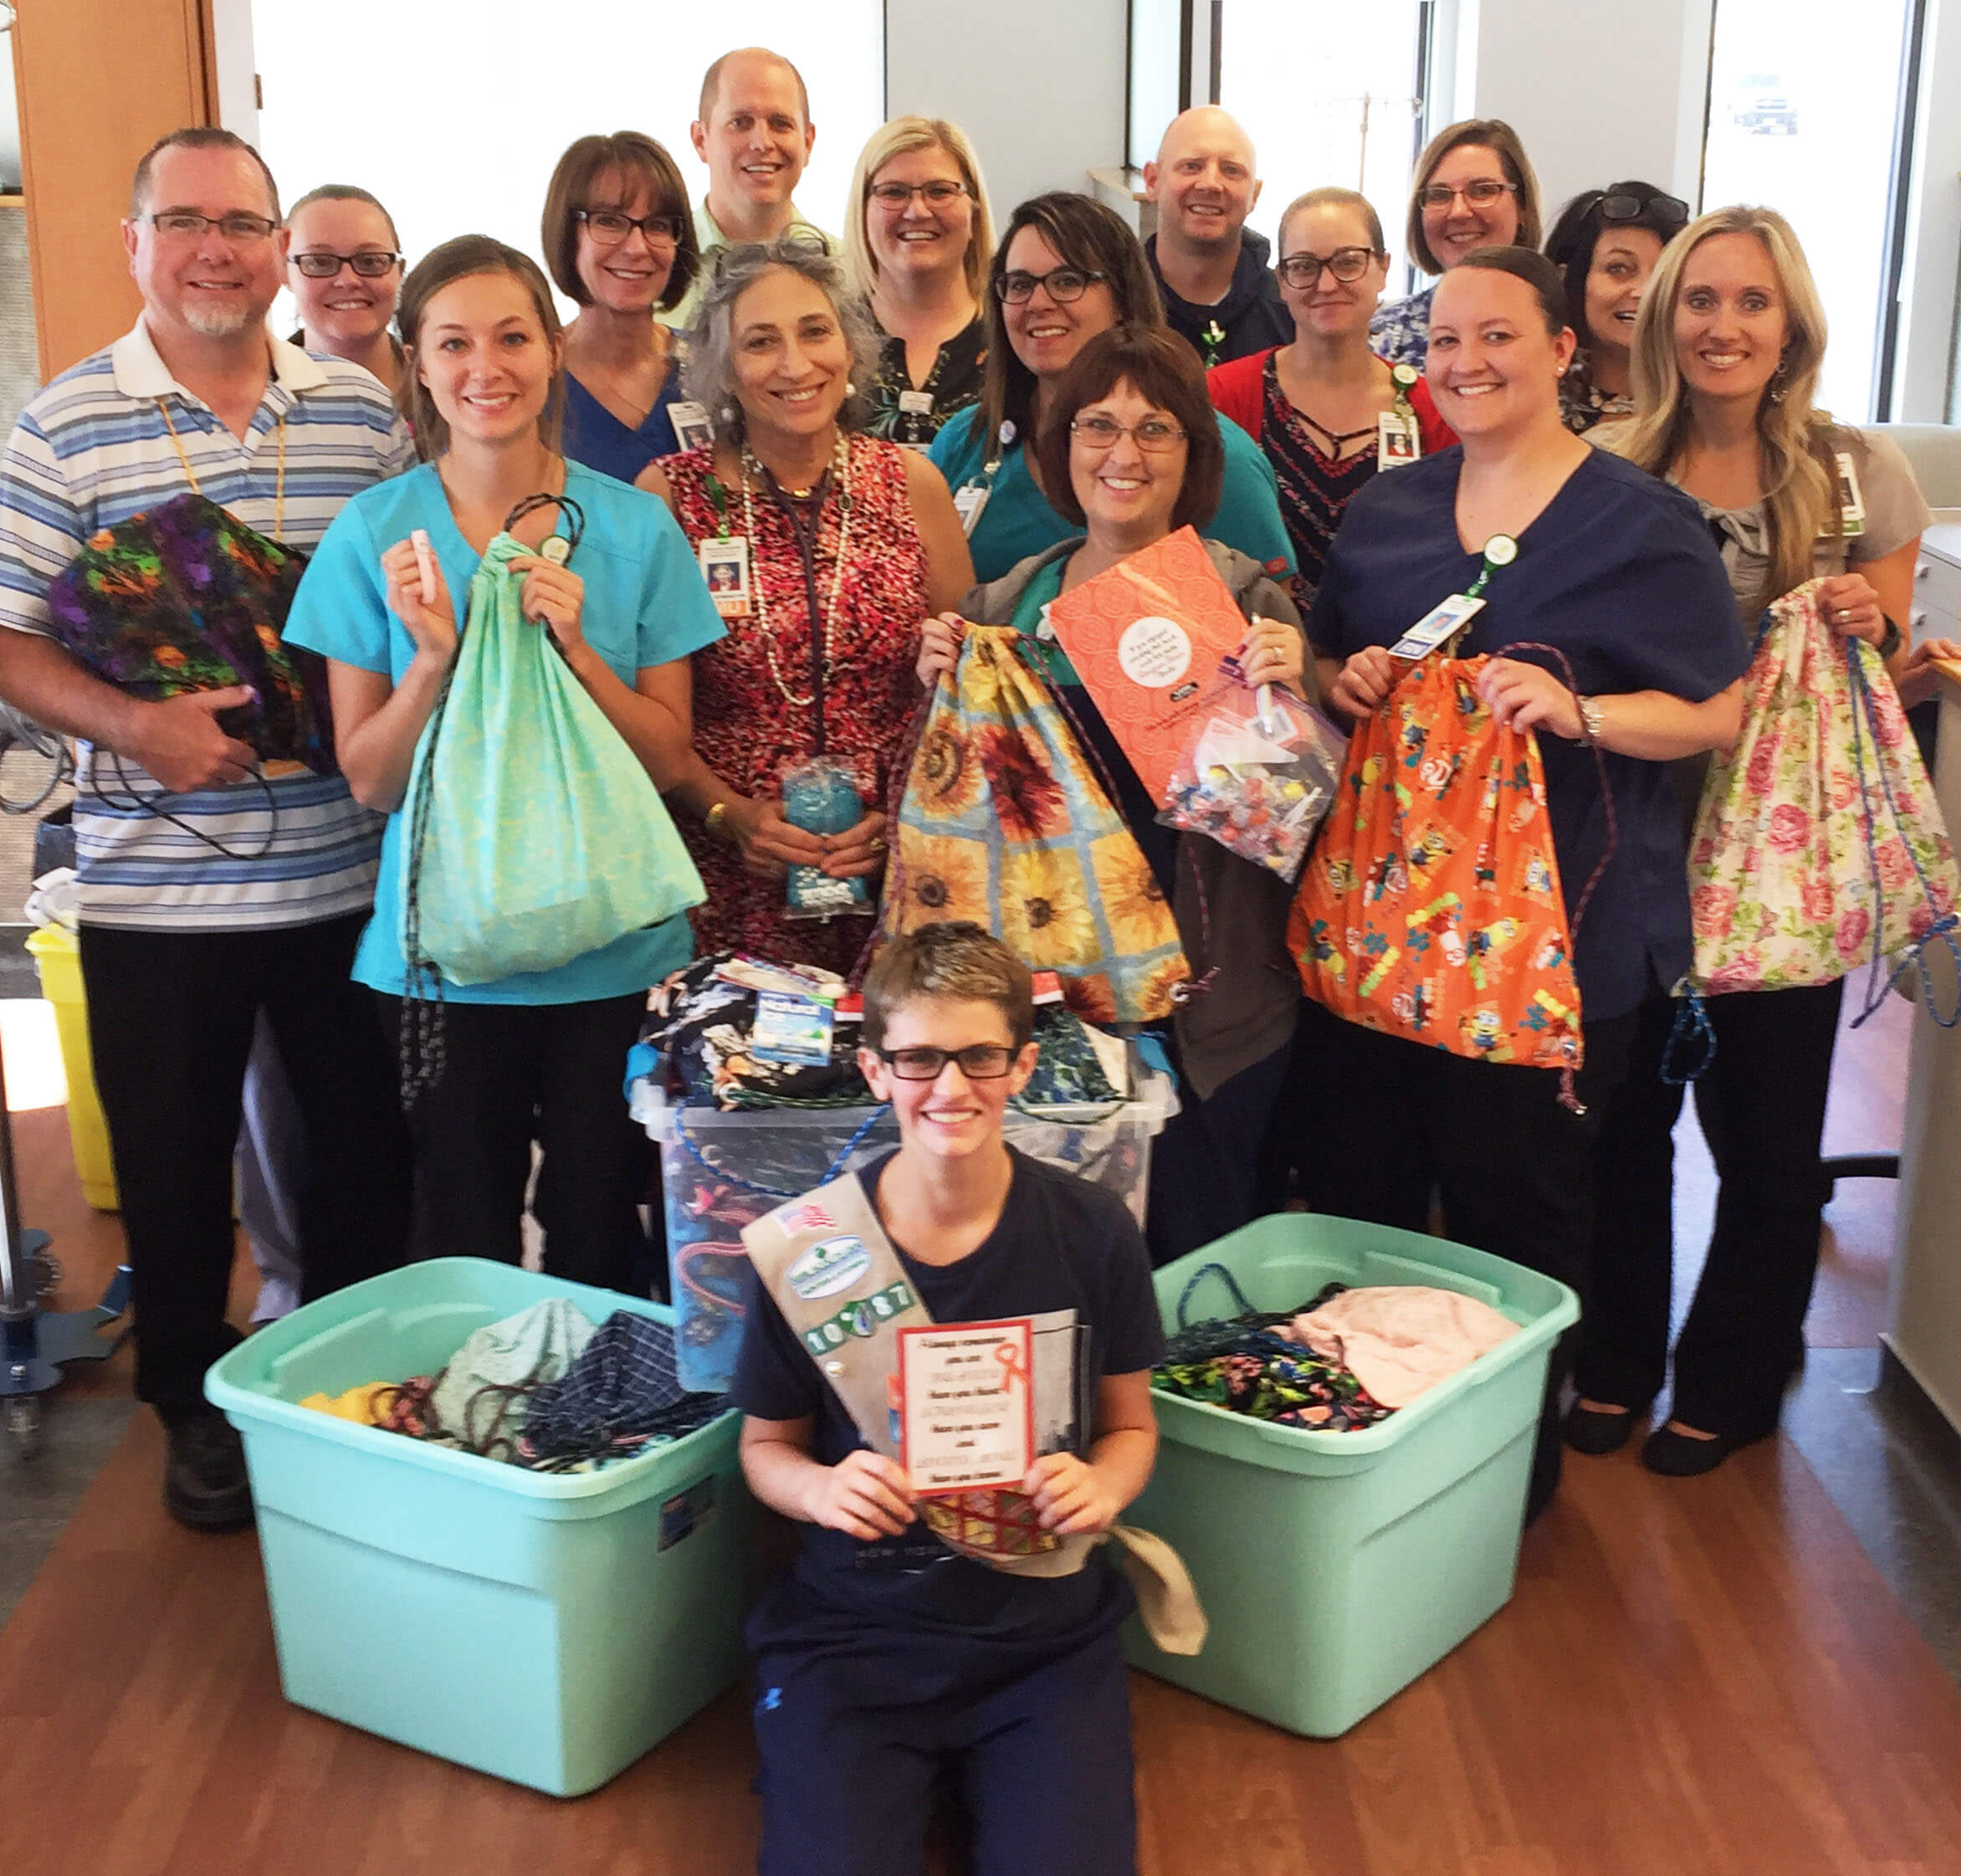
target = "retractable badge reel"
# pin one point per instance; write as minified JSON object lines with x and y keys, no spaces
{"x":1445,"y":623}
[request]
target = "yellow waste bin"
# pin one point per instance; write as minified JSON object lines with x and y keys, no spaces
{"x":58,"y":958}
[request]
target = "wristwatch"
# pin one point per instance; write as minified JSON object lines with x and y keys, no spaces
{"x":1890,"y":642}
{"x":1591,"y":722}
{"x":716,"y":820}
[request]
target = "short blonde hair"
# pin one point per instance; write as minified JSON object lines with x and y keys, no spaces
{"x":895,"y":139}
{"x":1798,"y":499}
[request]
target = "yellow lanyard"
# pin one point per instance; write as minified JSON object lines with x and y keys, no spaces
{"x":279,"y":481}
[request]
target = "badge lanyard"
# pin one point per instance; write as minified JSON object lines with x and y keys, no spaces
{"x":1399,"y":438}
{"x":1445,"y":624}
{"x":280,"y":478}
{"x":972,"y":496}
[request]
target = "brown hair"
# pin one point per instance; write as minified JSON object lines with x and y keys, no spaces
{"x":957,"y":960}
{"x":443,"y":266}
{"x":201,"y":136}
{"x":1085,"y":234}
{"x":1496,"y":135}
{"x":1537,"y":273}
{"x":1162,"y":369}
{"x":1332,"y":196}
{"x":343,"y":192}
{"x":632,"y":158}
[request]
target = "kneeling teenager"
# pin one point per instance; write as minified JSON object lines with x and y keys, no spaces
{"x":922,"y":1633}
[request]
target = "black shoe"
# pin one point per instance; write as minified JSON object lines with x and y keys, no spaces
{"x":1596,"y":1430}
{"x":204,"y":1482}
{"x":1682,"y":1456}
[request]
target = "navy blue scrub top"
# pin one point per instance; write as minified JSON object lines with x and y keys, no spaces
{"x":595,"y":437}
{"x":1619,"y":572}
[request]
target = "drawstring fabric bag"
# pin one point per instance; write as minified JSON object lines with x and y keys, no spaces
{"x":1431,"y":907}
{"x":1003,"y":822}
{"x":534,"y":835}
{"x":1818,"y":842}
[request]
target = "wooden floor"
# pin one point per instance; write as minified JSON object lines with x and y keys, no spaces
{"x":1702,"y":1676}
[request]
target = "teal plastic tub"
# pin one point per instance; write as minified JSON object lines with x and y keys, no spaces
{"x":1335,"y":1568}
{"x":548,"y":1628}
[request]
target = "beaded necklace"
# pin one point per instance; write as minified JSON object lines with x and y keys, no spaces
{"x":807,"y":530}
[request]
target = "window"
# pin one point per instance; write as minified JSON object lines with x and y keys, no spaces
{"x":1329,"y":92}
{"x":454,"y":114}
{"x":1804,"y":115}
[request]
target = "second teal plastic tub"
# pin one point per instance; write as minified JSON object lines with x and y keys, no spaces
{"x":1334,"y":1568}
{"x":546,"y":1628}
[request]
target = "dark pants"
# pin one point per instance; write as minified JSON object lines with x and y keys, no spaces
{"x":1205,"y":1167}
{"x":855,"y":1735}
{"x":552,"y":1072}
{"x":171,"y":1019}
{"x":1761,"y":1104}
{"x":1397,"y":1123}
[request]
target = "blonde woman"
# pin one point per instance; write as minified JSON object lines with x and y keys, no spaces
{"x":917,"y":243}
{"x":1726,"y":352}
{"x":1474,"y":188}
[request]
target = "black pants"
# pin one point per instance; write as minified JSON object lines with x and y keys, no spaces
{"x":552,"y":1072}
{"x":1204,"y":1165}
{"x":1397,"y":1123}
{"x":171,"y":1018}
{"x":1761,"y":1103}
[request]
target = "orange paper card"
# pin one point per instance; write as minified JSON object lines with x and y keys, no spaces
{"x":1146,"y":638}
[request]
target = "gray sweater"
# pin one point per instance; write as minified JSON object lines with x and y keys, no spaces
{"x":1232,"y":915}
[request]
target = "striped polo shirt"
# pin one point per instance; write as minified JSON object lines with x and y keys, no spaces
{"x":92,"y":449}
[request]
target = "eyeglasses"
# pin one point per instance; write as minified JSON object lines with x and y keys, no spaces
{"x":187,"y":224}
{"x":1154,"y":435}
{"x":1303,"y":272}
{"x":897,"y":195}
{"x":608,"y":227}
{"x":1481,"y":191}
{"x":980,"y":1062}
{"x":1671,"y":209}
{"x":1061,"y":283}
{"x":371,"y":263}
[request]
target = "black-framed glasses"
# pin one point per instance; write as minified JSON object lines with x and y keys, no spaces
{"x":940,"y":191}
{"x":1061,"y":283}
{"x":1303,"y":271}
{"x":608,"y":227}
{"x":1154,"y":435}
{"x":1481,"y":191}
{"x":188,"y":224}
{"x":1669,"y":209}
{"x":371,"y":263}
{"x":979,"y":1062}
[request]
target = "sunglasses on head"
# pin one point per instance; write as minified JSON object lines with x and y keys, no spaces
{"x":1669,"y":209}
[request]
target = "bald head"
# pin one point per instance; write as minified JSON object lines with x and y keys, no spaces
{"x":1204,"y":182}
{"x":747,"y":60}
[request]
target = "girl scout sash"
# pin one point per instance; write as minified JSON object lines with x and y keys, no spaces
{"x":827,"y":1265}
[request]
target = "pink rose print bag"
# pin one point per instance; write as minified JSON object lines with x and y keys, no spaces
{"x":1818,"y":843}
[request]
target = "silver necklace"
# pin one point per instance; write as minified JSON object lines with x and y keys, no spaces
{"x":752,"y":473}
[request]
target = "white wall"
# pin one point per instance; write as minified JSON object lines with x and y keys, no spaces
{"x":1923,"y":386}
{"x":1037,"y":84}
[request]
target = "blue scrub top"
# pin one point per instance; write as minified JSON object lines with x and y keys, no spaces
{"x":645,"y":604}
{"x":1018,"y":521}
{"x":595,"y":437}
{"x":1619,"y":573}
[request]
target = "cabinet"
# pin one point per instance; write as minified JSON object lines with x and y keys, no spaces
{"x":1936,"y":611}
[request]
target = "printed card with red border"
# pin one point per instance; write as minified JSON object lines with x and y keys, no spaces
{"x":1146,"y":636}
{"x":966,"y":1401}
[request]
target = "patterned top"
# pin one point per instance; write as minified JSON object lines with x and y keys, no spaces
{"x":1399,"y":330}
{"x":94,"y":448}
{"x":1583,"y":403}
{"x":747,"y":730}
{"x":1314,"y":488}
{"x":952,"y":385}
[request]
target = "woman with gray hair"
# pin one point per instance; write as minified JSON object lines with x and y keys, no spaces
{"x":825,"y":550}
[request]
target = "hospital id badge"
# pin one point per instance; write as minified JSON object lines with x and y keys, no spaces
{"x":1398,"y":441}
{"x":967,"y":504}
{"x":724,"y":570}
{"x":1851,"y":503}
{"x":916,"y":404}
{"x":691,"y":424}
{"x":1434,"y":627}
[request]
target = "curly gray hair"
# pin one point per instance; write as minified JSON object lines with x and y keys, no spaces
{"x":732,"y":271}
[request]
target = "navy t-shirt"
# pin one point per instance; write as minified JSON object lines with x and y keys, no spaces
{"x":1062,"y":1243}
{"x":1619,"y":572}
{"x":595,"y":437}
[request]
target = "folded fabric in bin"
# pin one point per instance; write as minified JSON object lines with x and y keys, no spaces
{"x":622,"y":1393}
{"x":1401,"y":1339}
{"x":1270,"y":1378}
{"x":705,"y":1025}
{"x":480,"y":1399}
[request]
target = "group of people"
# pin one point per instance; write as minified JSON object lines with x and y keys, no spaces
{"x":875,"y":442}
